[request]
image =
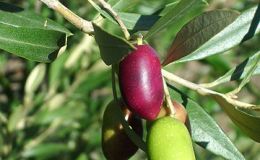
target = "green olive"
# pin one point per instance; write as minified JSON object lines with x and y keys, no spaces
{"x":169,"y":139}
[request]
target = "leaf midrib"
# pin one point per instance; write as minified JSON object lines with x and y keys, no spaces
{"x":28,"y":19}
{"x":216,"y":141}
{"x":26,"y":43}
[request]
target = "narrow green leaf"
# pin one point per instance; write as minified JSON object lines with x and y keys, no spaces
{"x":205,"y":131}
{"x":138,"y":22}
{"x":45,"y":150}
{"x":95,"y":79}
{"x":249,"y":124}
{"x":112,"y":48}
{"x":56,"y":71}
{"x":65,"y":113}
{"x":27,"y":19}
{"x":16,"y":117}
{"x":132,"y":21}
{"x":30,"y":36}
{"x":31,"y":43}
{"x":82,"y":156}
{"x":168,"y":8}
{"x":239,"y":72}
{"x":113,"y":2}
{"x":34,"y":79}
{"x":197,"y":32}
{"x":257,"y":70}
{"x":229,"y":37}
{"x":178,"y":16}
{"x":123,"y":5}
{"x":250,"y":72}
{"x":101,"y":11}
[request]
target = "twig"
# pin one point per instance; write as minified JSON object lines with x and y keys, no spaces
{"x":52,"y":128}
{"x":114,"y":83}
{"x":206,"y":92}
{"x":171,"y":77}
{"x":84,"y":47}
{"x":168,"y":98}
{"x":117,"y":18}
{"x":131,"y":133}
{"x":38,"y":6}
{"x":128,"y":130}
{"x":84,"y":25}
{"x":140,"y":39}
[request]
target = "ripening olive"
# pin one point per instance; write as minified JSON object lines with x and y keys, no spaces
{"x":115,"y":143}
{"x":140,"y":81}
{"x":169,"y":139}
{"x":180,"y":113}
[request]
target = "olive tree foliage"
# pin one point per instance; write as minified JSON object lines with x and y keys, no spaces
{"x":68,"y":81}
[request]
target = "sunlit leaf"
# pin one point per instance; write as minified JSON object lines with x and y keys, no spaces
{"x":197,"y":32}
{"x":27,"y":19}
{"x":229,"y":37}
{"x":29,"y":35}
{"x":205,"y":131}
{"x":239,"y":72}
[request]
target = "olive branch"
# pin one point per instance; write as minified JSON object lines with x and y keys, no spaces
{"x":168,"y":77}
{"x":86,"y":27}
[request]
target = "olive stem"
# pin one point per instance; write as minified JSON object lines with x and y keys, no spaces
{"x":116,"y":17}
{"x":140,"y":39}
{"x":129,"y":131}
{"x":80,"y":23}
{"x":131,"y":134}
{"x":207,"y":92}
{"x":114,"y":83}
{"x":168,"y":98}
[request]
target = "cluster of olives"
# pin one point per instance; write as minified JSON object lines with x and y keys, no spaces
{"x":141,"y":87}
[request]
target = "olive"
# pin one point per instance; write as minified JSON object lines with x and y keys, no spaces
{"x":140,"y":82}
{"x":169,"y":139}
{"x":115,"y":143}
{"x":180,"y":113}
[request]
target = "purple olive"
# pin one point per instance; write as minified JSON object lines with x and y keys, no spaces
{"x":140,"y":81}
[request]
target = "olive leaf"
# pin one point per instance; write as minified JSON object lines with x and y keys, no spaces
{"x":112,"y":48}
{"x":229,"y":37}
{"x":250,"y":67}
{"x":248,"y":123}
{"x":45,"y":150}
{"x":197,"y":32}
{"x":184,"y":11}
{"x":204,"y":130}
{"x":132,"y":21}
{"x":29,"y":35}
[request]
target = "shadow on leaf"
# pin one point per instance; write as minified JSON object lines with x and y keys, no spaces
{"x":9,"y":8}
{"x":239,"y":70}
{"x":253,"y":26}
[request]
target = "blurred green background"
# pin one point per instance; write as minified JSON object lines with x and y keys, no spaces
{"x":62,"y":120}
